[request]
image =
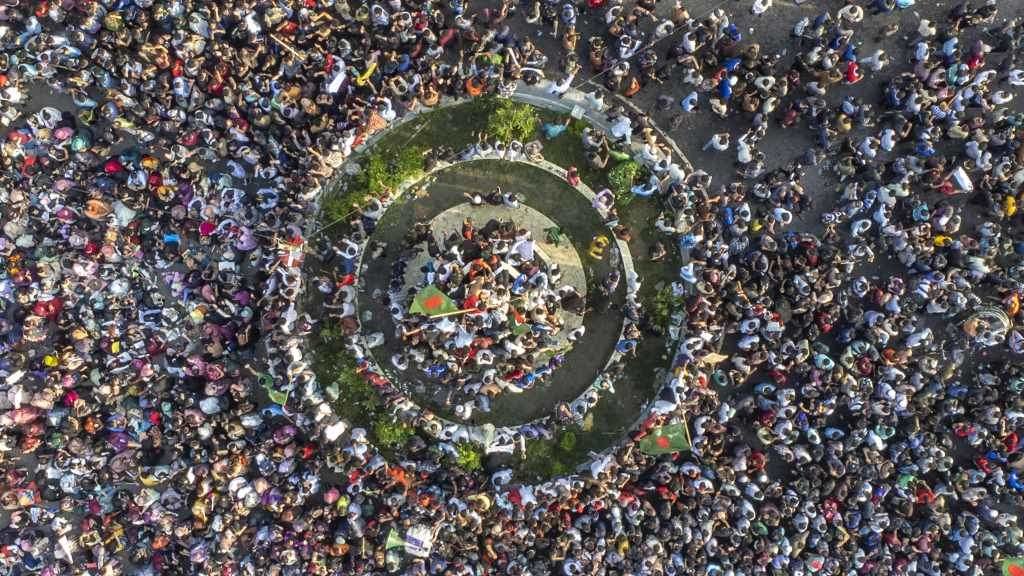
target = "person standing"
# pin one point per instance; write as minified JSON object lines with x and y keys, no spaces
{"x":720,"y":142}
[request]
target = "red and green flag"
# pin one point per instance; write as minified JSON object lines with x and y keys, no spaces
{"x":517,"y":322}
{"x":432,"y":302}
{"x":1013,"y":566}
{"x":666,"y":439}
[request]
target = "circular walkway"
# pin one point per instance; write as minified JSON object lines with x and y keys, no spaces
{"x":544,"y":194}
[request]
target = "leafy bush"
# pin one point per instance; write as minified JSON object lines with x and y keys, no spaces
{"x":621,"y":178}
{"x":338,"y":206}
{"x":377,"y":177}
{"x":512,"y":121}
{"x":559,"y":468}
{"x":355,"y":399}
{"x":392,"y":433}
{"x":567,"y":442}
{"x":468,"y":457}
{"x":384,"y":171}
{"x":663,"y":305}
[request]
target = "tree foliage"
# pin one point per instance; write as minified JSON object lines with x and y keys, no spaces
{"x":383,"y":171}
{"x":512,"y":121}
{"x":468,"y":457}
{"x":621,"y":178}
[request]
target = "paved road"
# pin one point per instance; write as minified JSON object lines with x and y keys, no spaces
{"x":773,"y":32}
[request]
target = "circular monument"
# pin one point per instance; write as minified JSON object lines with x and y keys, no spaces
{"x":511,"y":289}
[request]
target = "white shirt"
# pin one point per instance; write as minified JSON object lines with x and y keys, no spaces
{"x":866,"y":149}
{"x":743,"y":154}
{"x":888,"y":139}
{"x":719,"y":142}
{"x":621,"y":127}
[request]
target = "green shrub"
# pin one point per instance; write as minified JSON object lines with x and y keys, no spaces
{"x":512,"y":121}
{"x":391,"y":433}
{"x":377,"y":176}
{"x":354,"y":399}
{"x":663,"y":305}
{"x":567,"y":442}
{"x":385,"y":170}
{"x":335,"y":207}
{"x":537,"y":462}
{"x":559,"y":468}
{"x":341,"y":202}
{"x":621,"y":178}
{"x":468,"y":457}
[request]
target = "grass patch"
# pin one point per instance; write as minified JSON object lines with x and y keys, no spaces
{"x":453,"y":126}
{"x":356,"y":400}
{"x":352,"y":397}
{"x":557,"y":456}
{"x":398,"y":155}
{"x":567,"y":150}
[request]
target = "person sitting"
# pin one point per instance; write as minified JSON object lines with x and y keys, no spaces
{"x":553,"y":130}
{"x":645,"y":189}
{"x":598,"y":159}
{"x":572,"y":176}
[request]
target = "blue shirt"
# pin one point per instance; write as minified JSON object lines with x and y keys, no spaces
{"x":690,"y":102}
{"x":552,"y":131}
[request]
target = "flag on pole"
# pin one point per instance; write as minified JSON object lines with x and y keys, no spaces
{"x":1013,"y":566}
{"x":430,"y":301}
{"x":665,"y":440}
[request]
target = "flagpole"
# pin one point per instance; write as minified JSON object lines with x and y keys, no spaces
{"x":686,"y":428}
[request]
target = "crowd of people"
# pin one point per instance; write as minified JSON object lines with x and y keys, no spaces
{"x":162,"y":163}
{"x":498,"y":317}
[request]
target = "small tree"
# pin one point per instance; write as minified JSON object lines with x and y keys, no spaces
{"x":567,"y":443}
{"x":621,"y":179}
{"x":385,"y":171}
{"x":392,"y":433}
{"x":468,"y":457}
{"x":377,"y":173}
{"x":663,"y":304}
{"x":512,"y":121}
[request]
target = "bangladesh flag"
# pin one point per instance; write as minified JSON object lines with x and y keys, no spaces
{"x":666,"y":439}
{"x":518,"y":324}
{"x":432,"y":302}
{"x":1013,"y":567}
